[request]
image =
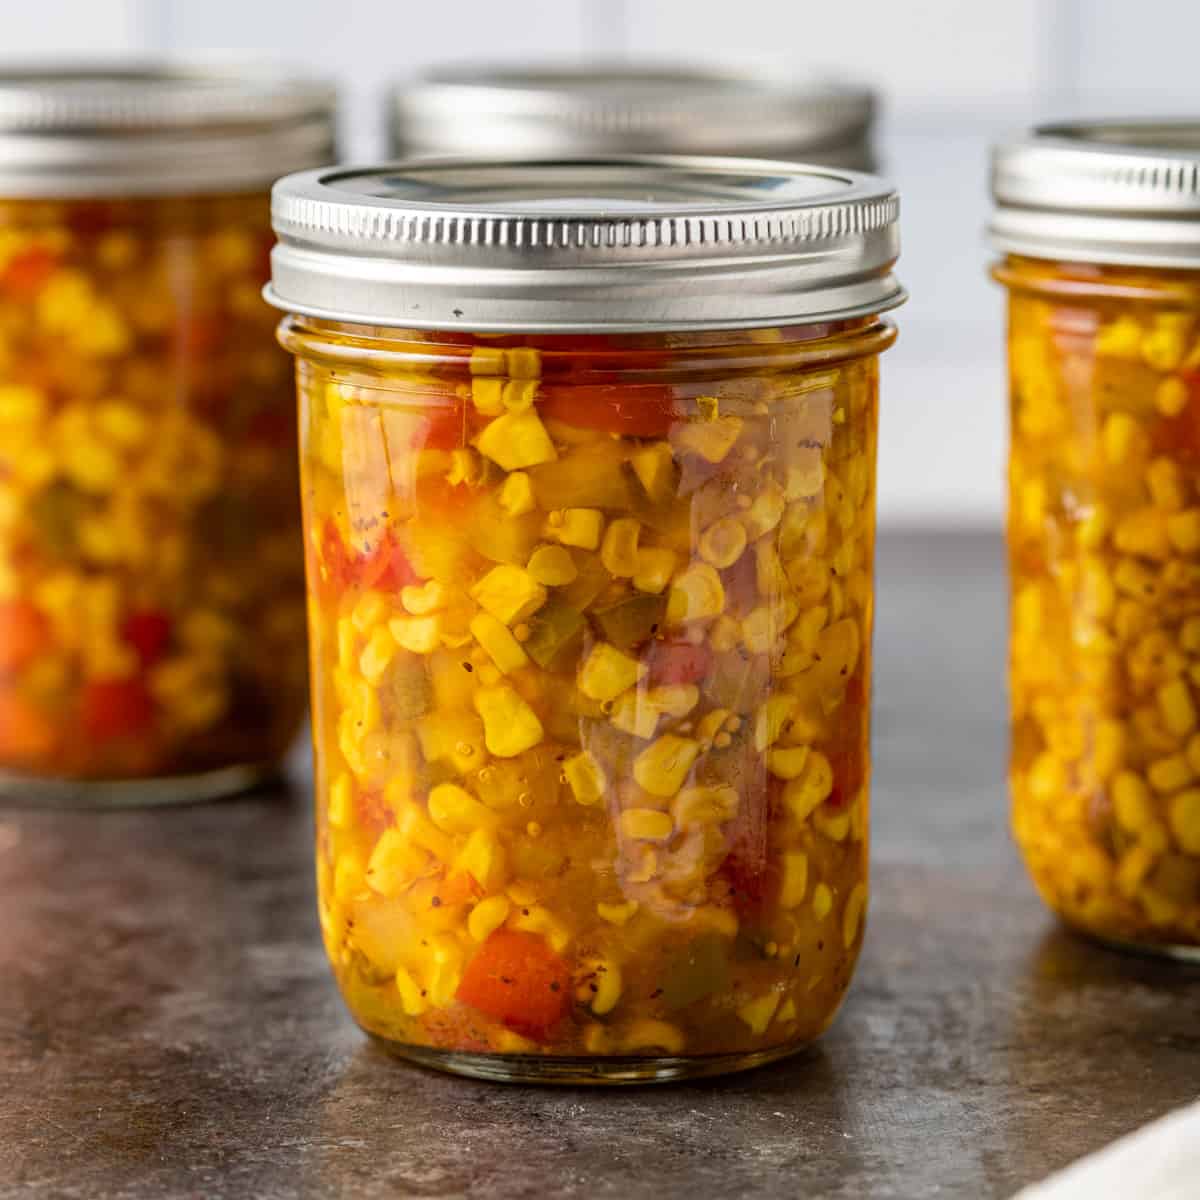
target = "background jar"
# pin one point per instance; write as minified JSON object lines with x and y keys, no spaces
{"x":623,"y":109}
{"x":590,"y":558}
{"x":151,"y":589}
{"x":1101,"y":229}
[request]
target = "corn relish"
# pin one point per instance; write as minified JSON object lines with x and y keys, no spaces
{"x":590,"y":624}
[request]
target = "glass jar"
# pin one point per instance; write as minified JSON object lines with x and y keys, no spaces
{"x":151,"y":579}
{"x":590,"y":561}
{"x":622,"y":109}
{"x":1100,"y":225}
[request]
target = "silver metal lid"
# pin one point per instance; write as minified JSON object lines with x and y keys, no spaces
{"x":1121,"y":192}
{"x":603,"y":109}
{"x":570,"y":245}
{"x":161,"y":128}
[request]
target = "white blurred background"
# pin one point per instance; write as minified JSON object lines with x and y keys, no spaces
{"x":954,"y":75}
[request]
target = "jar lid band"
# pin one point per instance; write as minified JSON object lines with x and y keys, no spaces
{"x":635,"y":243}
{"x":1120,"y":192}
{"x":162,"y":128}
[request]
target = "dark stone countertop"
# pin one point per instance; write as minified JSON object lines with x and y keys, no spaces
{"x":168,"y":1027}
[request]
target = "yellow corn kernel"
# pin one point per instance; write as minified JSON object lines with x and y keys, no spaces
{"x":654,"y":466}
{"x":646,"y":824}
{"x":834,"y":826}
{"x":703,"y":807}
{"x":516,"y":495}
{"x":618,"y":551}
{"x":773,"y":714}
{"x":1171,"y":396}
{"x":722,"y":542}
{"x":1132,"y":803}
{"x":1177,"y":708}
{"x":519,"y":394}
{"x":608,"y":672}
{"x":600,"y":985}
{"x":452,"y":737}
{"x":349,"y":879}
{"x":1098,"y":594}
{"x":711,"y":440}
{"x":852,"y":917}
{"x":340,"y":808}
{"x":646,"y":1033}
{"x":1164,"y":346}
{"x":1032,"y":498}
{"x":488,"y":396}
{"x":536,"y":919}
{"x":415,"y":827}
{"x":822,"y":901}
{"x":510,"y":726}
{"x":371,"y":609}
{"x":488,"y":360}
{"x":422,"y":599}
{"x":1170,"y":773}
{"x":787,"y":762}
{"x":420,"y":635}
{"x":758,"y":1013}
{"x":578,"y":527}
{"x":524,"y":362}
{"x":1108,"y":748}
{"x":809,"y":578}
{"x":377,"y":655}
{"x":766,"y":510}
{"x":810,"y":788}
{"x":585,"y":777}
{"x":487,"y":916}
{"x":412,"y":996}
{"x":1123,"y":439}
{"x":1121,"y":338}
{"x":616,"y":914}
{"x":653,"y":568}
{"x":552,"y":566}
{"x":633,"y":715}
{"x":517,"y":440}
{"x":1168,"y":488}
{"x":454,"y":810}
{"x":696,"y":594}
{"x":446,"y":972}
{"x":794,"y":884}
{"x":498,"y":641}
{"x":1183,"y":529}
{"x":1192,"y":752}
{"x":787,"y":1011}
{"x":395,"y":863}
{"x":1184,"y":816}
{"x":1136,"y":863}
{"x":1093,"y":529}
{"x":1143,"y":533}
{"x":509,"y":593}
{"x":483,"y":858}
{"x":465,"y":467}
{"x":664,"y":765}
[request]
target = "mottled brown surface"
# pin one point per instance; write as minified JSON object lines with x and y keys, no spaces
{"x":168,"y":1027}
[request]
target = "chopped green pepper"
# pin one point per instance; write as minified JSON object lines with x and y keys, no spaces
{"x":405,"y":692}
{"x":700,"y":969}
{"x":554,"y":631}
{"x":632,"y":620}
{"x":590,"y":476}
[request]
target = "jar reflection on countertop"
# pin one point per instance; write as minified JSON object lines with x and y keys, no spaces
{"x":1100,"y":225}
{"x":591,"y":575}
{"x":151,"y":588}
{"x":614,"y":108}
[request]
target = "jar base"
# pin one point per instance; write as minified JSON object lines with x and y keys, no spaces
{"x":566,"y":1070}
{"x":18,"y":790}
{"x":1174,"y":951}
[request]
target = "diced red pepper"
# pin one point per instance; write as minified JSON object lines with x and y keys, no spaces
{"x":1180,"y":436}
{"x":24,"y":634}
{"x":148,"y":631}
{"x":116,"y":708}
{"x":386,"y":567}
{"x":28,"y":270}
{"x":643,"y":411}
{"x":459,"y":888}
{"x":372,"y":813}
{"x":437,"y":425}
{"x":676,"y":662}
{"x":516,"y":979}
{"x":336,"y":563}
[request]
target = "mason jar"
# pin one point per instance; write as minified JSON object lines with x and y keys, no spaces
{"x":1099,"y":226}
{"x":475,"y":109}
{"x":151,"y":564}
{"x":588,"y":464}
